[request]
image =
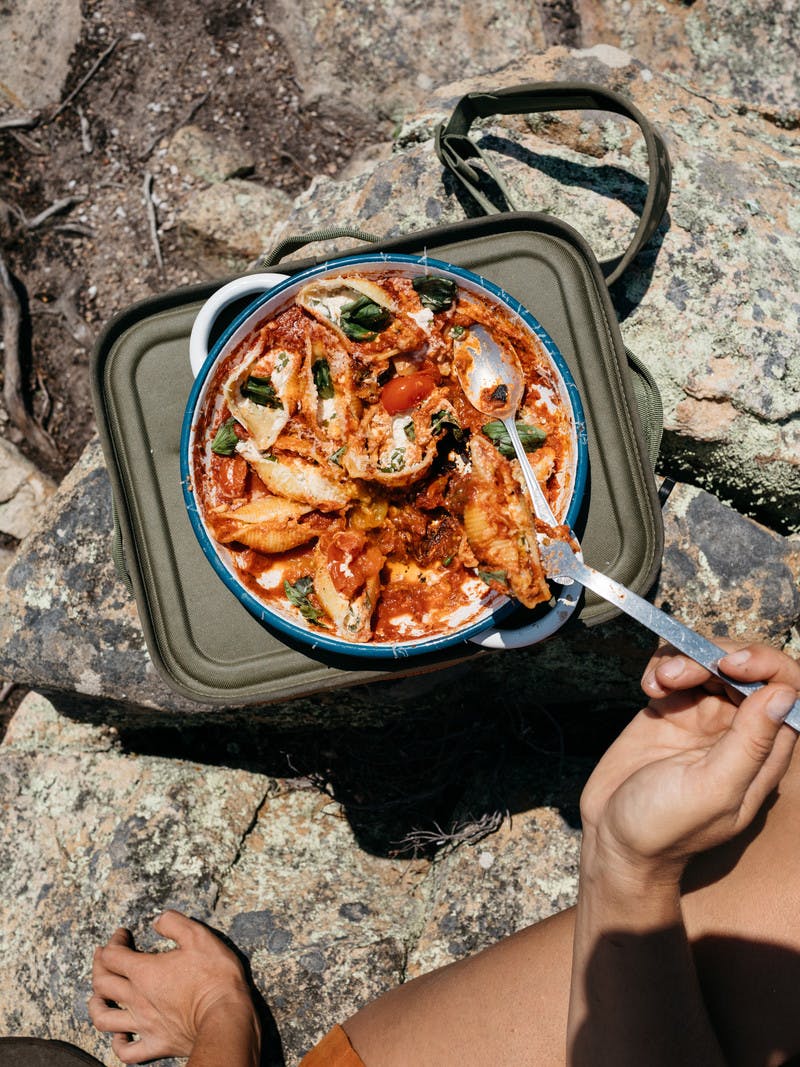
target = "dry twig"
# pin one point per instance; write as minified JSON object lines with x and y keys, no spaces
{"x":96,"y":66}
{"x":28,"y":143}
{"x":12,"y":372}
{"x":147,"y":190}
{"x":21,"y":122}
{"x":57,"y":208}
{"x":86,"y":132}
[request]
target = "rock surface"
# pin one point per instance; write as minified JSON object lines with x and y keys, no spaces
{"x":38,"y":41}
{"x":97,"y":835}
{"x":229,"y":223}
{"x":24,"y":492}
{"x":712,"y":305}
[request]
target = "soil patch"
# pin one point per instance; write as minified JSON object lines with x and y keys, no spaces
{"x":221,"y":66}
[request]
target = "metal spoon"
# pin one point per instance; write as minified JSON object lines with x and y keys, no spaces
{"x":493,"y":382}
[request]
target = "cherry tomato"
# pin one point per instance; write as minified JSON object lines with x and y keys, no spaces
{"x":402,"y":393}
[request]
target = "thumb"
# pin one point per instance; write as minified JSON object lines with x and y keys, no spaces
{"x":754,"y":754}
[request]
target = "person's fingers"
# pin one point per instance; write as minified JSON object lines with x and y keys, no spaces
{"x":121,"y":936}
{"x":114,"y":958}
{"x":760,"y":663}
{"x":109,"y":1020}
{"x":176,"y":926}
{"x":669,"y":671}
{"x":112,"y":987}
{"x":744,"y":752}
{"x":126,"y":1049}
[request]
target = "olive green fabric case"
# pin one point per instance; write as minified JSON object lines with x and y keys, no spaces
{"x":202,"y":641}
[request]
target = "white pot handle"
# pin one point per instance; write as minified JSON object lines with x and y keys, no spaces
{"x":247,"y":285}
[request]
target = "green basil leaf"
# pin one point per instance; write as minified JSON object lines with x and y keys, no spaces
{"x":322,"y":379}
{"x":337,"y":455}
{"x":363,"y":319}
{"x":494,"y":576}
{"x":531,"y":437}
{"x":436,"y":294}
{"x":458,"y":331}
{"x":298,"y":595}
{"x":397,"y":460}
{"x":441,"y":420}
{"x":261,"y":391}
{"x":225,"y":439}
{"x":410,"y":430}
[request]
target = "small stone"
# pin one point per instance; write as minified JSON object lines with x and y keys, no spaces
{"x":24,"y":492}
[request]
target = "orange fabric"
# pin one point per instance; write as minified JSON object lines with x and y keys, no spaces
{"x":334,"y":1050}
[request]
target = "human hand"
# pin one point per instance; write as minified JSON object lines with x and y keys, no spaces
{"x":691,"y":770}
{"x":167,"y":998}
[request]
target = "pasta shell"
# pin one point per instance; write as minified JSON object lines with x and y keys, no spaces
{"x":296,"y":479}
{"x":264,"y":423}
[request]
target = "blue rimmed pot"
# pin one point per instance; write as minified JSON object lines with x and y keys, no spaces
{"x":272,"y":293}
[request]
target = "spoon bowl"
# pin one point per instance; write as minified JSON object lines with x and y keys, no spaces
{"x":493,"y":382}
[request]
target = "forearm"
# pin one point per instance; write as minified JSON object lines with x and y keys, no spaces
{"x":635,"y":996}
{"x":228,"y":1037}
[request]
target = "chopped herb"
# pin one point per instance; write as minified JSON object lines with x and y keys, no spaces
{"x":282,"y":360}
{"x":270,"y":457}
{"x":363,"y":319}
{"x":397,"y":461}
{"x":458,"y":331}
{"x":447,"y":561}
{"x":441,"y":420}
{"x":500,"y":394}
{"x":530,"y":436}
{"x":298,"y":595}
{"x":322,"y":379}
{"x":337,"y":455}
{"x":436,"y":294}
{"x":262,"y":392}
{"x":225,"y":441}
{"x":493,"y":576}
{"x":410,"y":430}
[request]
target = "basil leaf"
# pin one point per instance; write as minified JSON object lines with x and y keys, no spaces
{"x":410,"y":430}
{"x":397,"y":460}
{"x":363,"y":319}
{"x":261,"y":391}
{"x":530,"y":436}
{"x":458,"y":331}
{"x":322,"y":379}
{"x":298,"y":595}
{"x":337,"y":455}
{"x":440,"y":420}
{"x":436,"y":294}
{"x":494,"y":576}
{"x":225,"y":440}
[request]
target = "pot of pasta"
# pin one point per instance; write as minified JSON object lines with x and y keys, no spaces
{"x":341,"y":484}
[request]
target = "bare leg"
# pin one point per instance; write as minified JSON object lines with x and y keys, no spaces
{"x":508,"y":1004}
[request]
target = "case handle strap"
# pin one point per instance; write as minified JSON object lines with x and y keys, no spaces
{"x":298,"y":241}
{"x":455,"y":148}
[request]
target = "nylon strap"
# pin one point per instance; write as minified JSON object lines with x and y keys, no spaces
{"x":455,"y":148}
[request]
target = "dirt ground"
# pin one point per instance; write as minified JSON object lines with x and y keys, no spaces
{"x":220,"y":66}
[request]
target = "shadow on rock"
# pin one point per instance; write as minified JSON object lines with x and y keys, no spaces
{"x":614,"y":183}
{"x":454,"y":753}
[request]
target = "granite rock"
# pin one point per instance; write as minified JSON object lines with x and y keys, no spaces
{"x":36,"y":42}
{"x":723,"y":47}
{"x":228,"y":223}
{"x":94,"y":837}
{"x":711,"y":305}
{"x":97,"y":834}
{"x":210,"y":158}
{"x":24,"y":492}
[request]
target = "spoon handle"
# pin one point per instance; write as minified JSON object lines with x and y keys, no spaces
{"x":538,"y":499}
